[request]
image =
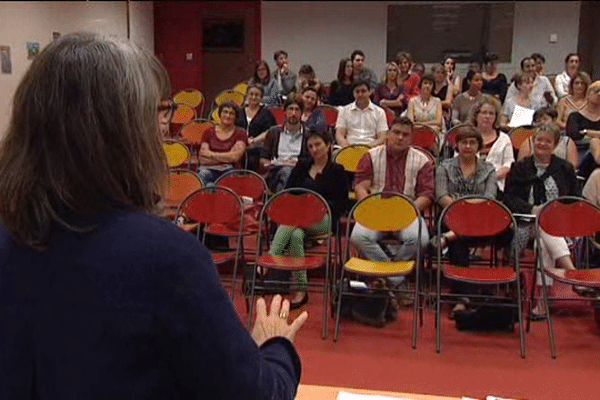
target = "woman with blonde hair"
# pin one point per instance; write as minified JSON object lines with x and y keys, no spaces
{"x":387,"y":94}
{"x":575,"y":100}
{"x":102,"y":298}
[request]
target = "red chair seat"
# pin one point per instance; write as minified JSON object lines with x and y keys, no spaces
{"x":224,"y":230}
{"x":582,"y":277}
{"x":221,"y":258}
{"x":481,"y":275}
{"x":290,"y":263}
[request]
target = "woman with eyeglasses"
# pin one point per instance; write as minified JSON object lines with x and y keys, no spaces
{"x":101,"y":298}
{"x":271,"y":90}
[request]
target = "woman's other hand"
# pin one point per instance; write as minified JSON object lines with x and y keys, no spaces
{"x":274,"y":323}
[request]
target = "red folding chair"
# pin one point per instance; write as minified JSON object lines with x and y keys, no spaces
{"x":450,"y":144}
{"x":299,"y":208}
{"x":567,"y":216}
{"x":278,"y":114}
{"x":478,"y":217}
{"x":215,"y":205}
{"x":425,"y":137}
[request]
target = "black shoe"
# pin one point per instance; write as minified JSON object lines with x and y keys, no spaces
{"x":297,"y":304}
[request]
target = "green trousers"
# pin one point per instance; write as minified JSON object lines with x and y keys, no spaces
{"x":295,"y":238}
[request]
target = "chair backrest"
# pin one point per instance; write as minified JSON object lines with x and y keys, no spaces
{"x":190,"y":97}
{"x":385,"y":212}
{"x":450,"y":138}
{"x":230,"y":95}
{"x":569,"y":216}
{"x":245,"y":183}
{"x":183,"y":114}
{"x":212,"y":205}
{"x":193,"y":131}
{"x":278,"y":114}
{"x":423,"y":136}
{"x":389,"y":116}
{"x":214,"y":115}
{"x":177,"y":153}
{"x":297,"y":207}
{"x":241,"y":87}
{"x":519,"y":135}
{"x":476,"y":216}
{"x":348,"y":157}
{"x":182,"y":183}
{"x":330,"y":113}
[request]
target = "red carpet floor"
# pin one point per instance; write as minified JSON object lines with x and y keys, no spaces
{"x":470,"y":364}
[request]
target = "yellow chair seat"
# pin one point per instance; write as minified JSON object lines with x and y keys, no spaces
{"x":176,"y":153}
{"x":379,"y":268}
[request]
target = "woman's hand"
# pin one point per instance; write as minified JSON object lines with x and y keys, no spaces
{"x":206,"y":153}
{"x":274,"y":324}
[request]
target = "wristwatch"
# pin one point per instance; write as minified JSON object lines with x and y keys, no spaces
{"x":584,"y":132}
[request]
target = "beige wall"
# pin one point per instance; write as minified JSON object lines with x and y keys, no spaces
{"x":321,"y":33}
{"x":22,"y":22}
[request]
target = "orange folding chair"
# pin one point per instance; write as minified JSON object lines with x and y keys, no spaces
{"x":567,"y":216}
{"x":299,"y":208}
{"x":518,"y":136}
{"x":478,"y":217}
{"x":215,"y":205}
{"x":181,"y":183}
{"x":191,"y":134}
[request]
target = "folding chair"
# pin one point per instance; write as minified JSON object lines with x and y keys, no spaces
{"x":182,"y":115}
{"x":278,"y":113}
{"x":176,"y":152}
{"x":425,"y":137}
{"x":190,"y":97}
{"x":449,"y":145}
{"x":331,"y":115}
{"x":478,"y":217}
{"x":229,"y":95}
{"x":348,"y":157}
{"x":567,"y":216}
{"x":384,"y":212}
{"x":241,"y":87}
{"x":214,"y":115}
{"x":298,"y":208}
{"x":191,"y":134}
{"x":181,"y":183}
{"x":215,"y":205}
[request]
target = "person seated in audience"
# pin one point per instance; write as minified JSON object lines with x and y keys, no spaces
{"x":464,"y":175}
{"x":575,"y":100}
{"x":539,"y":61}
{"x":591,"y":189}
{"x":572,"y":67}
{"x":256,"y":119}
{"x":409,"y":81}
{"x":533,"y":181}
{"x":306,"y":78}
{"x":497,"y":148}
{"x":222,"y":146}
{"x":387,"y":94}
{"x":462,"y":104}
{"x":340,"y":90}
{"x":494,"y":82}
{"x":524,"y":98}
{"x":418,"y":68}
{"x":442,"y":91}
{"x":312,"y":117}
{"x":565,"y":149}
{"x":542,"y":92}
{"x":283,"y":75}
{"x":426,"y":109}
{"x":102,"y":298}
{"x":320,"y":174}
{"x":361,"y":122}
{"x":473,"y":68}
{"x":362,"y":73}
{"x":271,"y":90}
{"x":394,"y":167}
{"x":284,"y":145}
{"x":165,"y":115}
{"x":454,"y":80}
{"x":584,"y":128}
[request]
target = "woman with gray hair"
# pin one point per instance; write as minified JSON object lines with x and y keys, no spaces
{"x":101,"y":298}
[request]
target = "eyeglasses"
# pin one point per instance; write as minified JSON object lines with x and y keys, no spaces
{"x":167,"y":105}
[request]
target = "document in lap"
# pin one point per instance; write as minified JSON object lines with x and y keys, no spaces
{"x":521,"y":116}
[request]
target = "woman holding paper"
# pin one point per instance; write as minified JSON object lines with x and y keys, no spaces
{"x":518,"y":110}
{"x":497,"y":147}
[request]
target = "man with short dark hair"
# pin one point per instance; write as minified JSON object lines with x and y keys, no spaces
{"x":572,"y":66}
{"x":361,"y":122}
{"x":395,"y":166}
{"x":362,"y":73}
{"x":542,"y":91}
{"x":284,"y":145}
{"x":282,"y":74}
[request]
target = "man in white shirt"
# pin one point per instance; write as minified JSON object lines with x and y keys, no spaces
{"x":361,"y":122}
{"x":542,"y":88}
{"x":572,"y":65}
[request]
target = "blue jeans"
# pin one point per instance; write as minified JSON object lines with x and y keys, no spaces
{"x":209,"y":176}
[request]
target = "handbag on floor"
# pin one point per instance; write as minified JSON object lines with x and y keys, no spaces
{"x":486,"y":317}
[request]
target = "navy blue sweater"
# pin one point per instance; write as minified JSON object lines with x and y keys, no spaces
{"x":132,"y":310}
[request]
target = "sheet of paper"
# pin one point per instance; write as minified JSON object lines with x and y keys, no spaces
{"x":353,"y":396}
{"x":521,"y":116}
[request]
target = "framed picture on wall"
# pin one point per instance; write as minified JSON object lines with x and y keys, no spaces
{"x":5,"y":60}
{"x":223,"y":35}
